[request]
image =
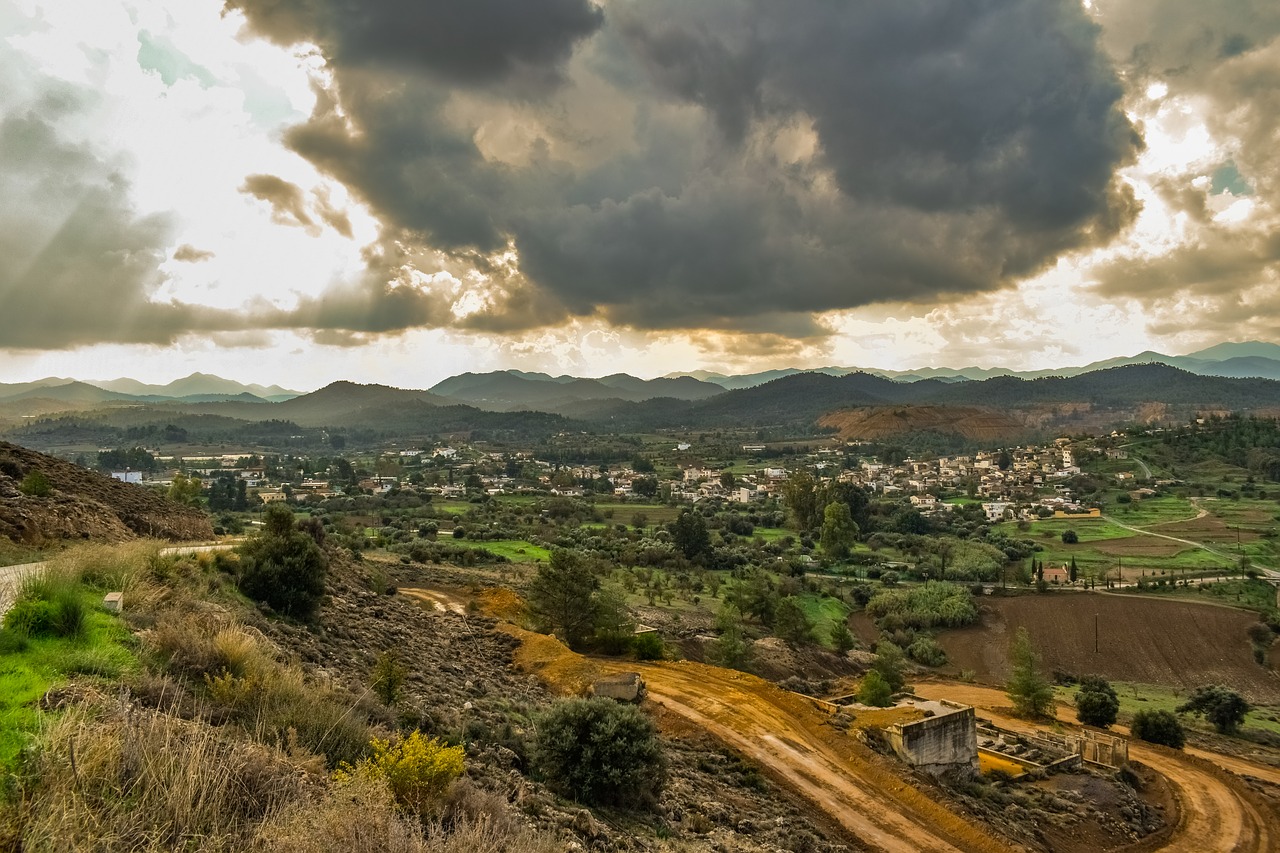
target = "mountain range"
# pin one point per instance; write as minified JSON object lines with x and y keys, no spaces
{"x":1246,"y":360}
{"x":856,"y":404}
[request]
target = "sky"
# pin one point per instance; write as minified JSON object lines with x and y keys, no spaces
{"x":396,"y":191}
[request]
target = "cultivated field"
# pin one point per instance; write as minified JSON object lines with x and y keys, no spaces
{"x":1150,"y":641}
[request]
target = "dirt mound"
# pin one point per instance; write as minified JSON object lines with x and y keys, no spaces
{"x":880,"y":422}
{"x":83,"y":504}
{"x":1150,"y":641}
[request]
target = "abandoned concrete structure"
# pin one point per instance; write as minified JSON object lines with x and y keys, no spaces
{"x":945,"y":740}
{"x":624,"y":687}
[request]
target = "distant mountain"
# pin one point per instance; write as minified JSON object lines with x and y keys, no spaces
{"x":1245,"y":349}
{"x":338,"y":402}
{"x":509,"y":390}
{"x":70,"y":392}
{"x":197,"y":384}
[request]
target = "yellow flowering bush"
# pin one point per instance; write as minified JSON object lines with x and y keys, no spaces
{"x":417,"y":769}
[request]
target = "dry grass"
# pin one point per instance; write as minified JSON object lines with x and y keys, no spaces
{"x":145,"y":781}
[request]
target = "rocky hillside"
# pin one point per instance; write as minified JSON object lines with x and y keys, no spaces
{"x":875,"y":423}
{"x":81,"y":504}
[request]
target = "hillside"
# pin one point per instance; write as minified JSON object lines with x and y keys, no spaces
{"x":886,"y":422}
{"x":83,"y":504}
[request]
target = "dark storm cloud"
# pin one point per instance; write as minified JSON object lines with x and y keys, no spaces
{"x":475,"y":41}
{"x":960,"y":146}
{"x":77,"y":263}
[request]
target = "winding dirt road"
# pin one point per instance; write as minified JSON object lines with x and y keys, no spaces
{"x":1218,"y":812}
{"x":791,"y":737}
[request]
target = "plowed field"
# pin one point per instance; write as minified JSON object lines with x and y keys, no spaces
{"x":1139,"y":639}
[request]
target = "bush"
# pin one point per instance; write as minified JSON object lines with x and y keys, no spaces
{"x":49,"y":603}
{"x":1070,"y":537}
{"x":648,"y":646}
{"x":283,"y":566}
{"x":927,"y":652}
{"x":600,"y":752}
{"x":418,"y":770}
{"x":35,"y":485}
{"x":1160,"y":727}
{"x":874,"y":690}
{"x":388,"y":679}
{"x":1096,"y":702}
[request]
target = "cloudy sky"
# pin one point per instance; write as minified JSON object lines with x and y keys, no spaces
{"x":298,"y":191}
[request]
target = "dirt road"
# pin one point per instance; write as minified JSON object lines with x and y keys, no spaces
{"x":792,"y":738}
{"x":1218,"y":813}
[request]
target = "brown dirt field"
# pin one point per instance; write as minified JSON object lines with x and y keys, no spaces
{"x":1210,"y":530}
{"x":1139,"y":639}
{"x":1218,"y":811}
{"x":1146,"y":546}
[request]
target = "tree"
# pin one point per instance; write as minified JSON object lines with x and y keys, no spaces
{"x":874,"y":690}
{"x":186,"y":490}
{"x":389,"y":675}
{"x":35,"y":485}
{"x":562,"y":597}
{"x":1160,"y":727}
{"x":1030,"y":692}
{"x":890,"y":663}
{"x":838,"y":530}
{"x":645,"y":486}
{"x":727,"y":480}
{"x":600,"y":752}
{"x":1070,"y":537}
{"x":1220,"y":705}
{"x":1096,"y":702}
{"x":841,"y":637}
{"x":283,"y":566}
{"x":790,"y":622}
{"x":1073,"y":572}
{"x":689,"y":533}
{"x":800,"y":492}
{"x":732,"y":649}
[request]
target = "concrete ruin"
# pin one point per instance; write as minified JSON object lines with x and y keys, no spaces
{"x":623,"y":687}
{"x":946,"y":740}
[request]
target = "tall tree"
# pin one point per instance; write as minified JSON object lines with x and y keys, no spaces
{"x":838,"y":530}
{"x":689,"y":532}
{"x":562,"y":596}
{"x":800,"y":492}
{"x":1027,"y":688}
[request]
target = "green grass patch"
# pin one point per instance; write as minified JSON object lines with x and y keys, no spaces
{"x":823,"y":612}
{"x":30,"y":667}
{"x":515,"y":550}
{"x":1151,"y":511}
{"x":624,"y":512}
{"x":1051,"y":529}
{"x":770,"y":534}
{"x":1135,"y":697}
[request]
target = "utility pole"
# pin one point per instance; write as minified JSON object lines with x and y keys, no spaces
{"x":1095,"y":633}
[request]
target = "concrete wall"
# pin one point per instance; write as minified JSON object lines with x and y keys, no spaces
{"x":938,"y":744}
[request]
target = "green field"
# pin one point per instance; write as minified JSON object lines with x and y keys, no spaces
{"x":769,"y":534}
{"x":823,"y":612}
{"x":515,"y":550}
{"x":622,"y":513}
{"x":1088,"y":529}
{"x":1162,"y":510}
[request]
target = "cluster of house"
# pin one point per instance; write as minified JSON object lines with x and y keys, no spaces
{"x":1015,"y":482}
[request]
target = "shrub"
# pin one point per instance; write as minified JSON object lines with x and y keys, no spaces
{"x":49,"y":603}
{"x":933,"y":604}
{"x":35,"y":485}
{"x":283,"y":566}
{"x":926,"y":651}
{"x":874,"y":690}
{"x":388,"y":677}
{"x":648,"y":646}
{"x":418,"y":770}
{"x":600,"y":752}
{"x":889,"y":663}
{"x":1160,"y":727}
{"x":1096,"y":702}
